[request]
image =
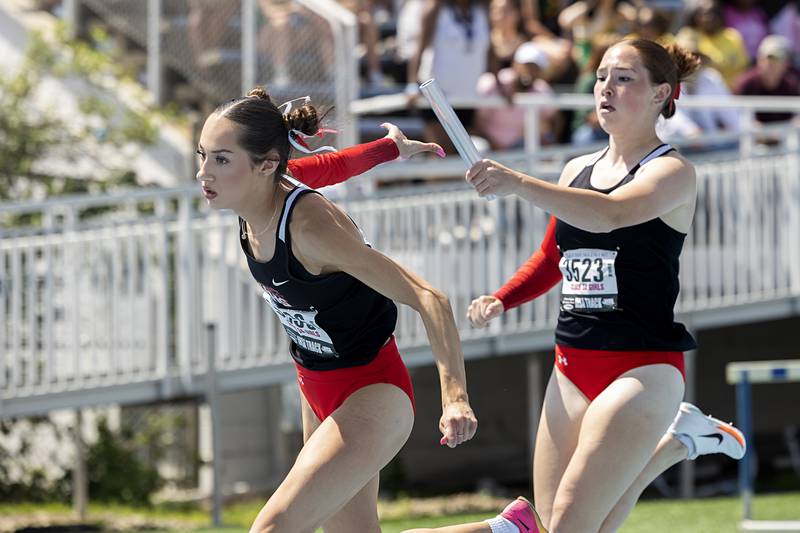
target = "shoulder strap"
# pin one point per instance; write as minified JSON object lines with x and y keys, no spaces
{"x":287,"y":209}
{"x":658,"y":152}
{"x":597,"y":157}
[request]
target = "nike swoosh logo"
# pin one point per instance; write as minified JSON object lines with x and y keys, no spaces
{"x":714,"y":436}
{"x":278,"y":284}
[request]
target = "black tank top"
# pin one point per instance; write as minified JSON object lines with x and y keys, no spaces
{"x":619,"y":288}
{"x":333,"y":320}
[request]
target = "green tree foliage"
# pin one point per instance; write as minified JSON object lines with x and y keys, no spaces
{"x":116,"y":473}
{"x":32,"y":138}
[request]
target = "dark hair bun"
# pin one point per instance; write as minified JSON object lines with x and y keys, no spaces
{"x":260,"y":93}
{"x":304,"y":118}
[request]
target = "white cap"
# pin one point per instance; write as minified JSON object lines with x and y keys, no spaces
{"x":775,"y":46}
{"x":530,"y":53}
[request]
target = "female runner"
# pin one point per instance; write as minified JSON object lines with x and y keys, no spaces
{"x":620,"y":217}
{"x":335,"y":296}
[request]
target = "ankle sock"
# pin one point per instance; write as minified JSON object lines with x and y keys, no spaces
{"x":498,"y":524}
{"x":687,"y":441}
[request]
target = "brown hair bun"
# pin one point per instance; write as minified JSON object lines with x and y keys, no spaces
{"x":304,"y":118}
{"x":260,"y":93}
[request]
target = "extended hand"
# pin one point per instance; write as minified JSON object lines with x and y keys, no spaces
{"x":458,"y":424}
{"x":483,"y":309}
{"x":408,"y":147}
{"x":490,"y":177}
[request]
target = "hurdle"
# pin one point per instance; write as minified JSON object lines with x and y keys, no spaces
{"x":743,"y":375}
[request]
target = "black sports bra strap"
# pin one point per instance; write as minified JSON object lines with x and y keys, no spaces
{"x":657,"y":152}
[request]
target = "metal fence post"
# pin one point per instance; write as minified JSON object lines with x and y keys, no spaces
{"x":185,"y":273}
{"x":80,"y":481}
{"x":532,"y":136}
{"x":793,"y":146}
{"x":154,"y":70}
{"x":212,"y":397}
{"x":351,"y":81}
{"x":164,"y":329}
{"x":72,"y":307}
{"x":743,"y":417}
{"x":535,"y":399}
{"x":249,"y":55}
{"x":70,"y":14}
{"x":747,"y":141}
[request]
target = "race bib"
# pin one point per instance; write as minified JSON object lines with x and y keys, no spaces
{"x":302,"y":328}
{"x":590,"y":281}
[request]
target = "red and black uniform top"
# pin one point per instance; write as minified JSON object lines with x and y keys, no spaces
{"x":332,"y":320}
{"x":619,"y":288}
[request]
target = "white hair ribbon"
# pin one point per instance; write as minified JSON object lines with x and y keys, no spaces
{"x":298,"y":140}
{"x":288,"y":105}
{"x":296,"y":137}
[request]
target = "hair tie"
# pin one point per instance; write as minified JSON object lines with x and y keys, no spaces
{"x":296,"y":137}
{"x":677,"y":93}
{"x":298,"y":140}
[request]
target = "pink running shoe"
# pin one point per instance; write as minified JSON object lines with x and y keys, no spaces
{"x":521,"y":513}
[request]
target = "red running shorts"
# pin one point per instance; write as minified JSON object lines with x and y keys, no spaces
{"x":326,"y":390}
{"x":594,"y":370}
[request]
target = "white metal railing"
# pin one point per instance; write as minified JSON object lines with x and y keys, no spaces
{"x":86,"y":304}
{"x":549,"y":159}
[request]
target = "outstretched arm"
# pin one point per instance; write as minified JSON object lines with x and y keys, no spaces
{"x":332,"y":168}
{"x":664,"y":185}
{"x":325,"y":240}
{"x":535,"y":277}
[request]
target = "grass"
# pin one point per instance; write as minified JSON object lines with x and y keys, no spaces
{"x":711,"y":515}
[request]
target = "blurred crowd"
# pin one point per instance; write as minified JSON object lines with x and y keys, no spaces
{"x":500,"y":47}
{"x":478,"y":48}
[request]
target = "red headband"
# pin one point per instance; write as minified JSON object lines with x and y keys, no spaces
{"x":675,"y":95}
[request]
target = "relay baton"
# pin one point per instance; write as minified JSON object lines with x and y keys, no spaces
{"x":452,"y":126}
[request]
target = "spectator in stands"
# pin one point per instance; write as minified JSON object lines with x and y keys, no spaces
{"x":723,"y":46}
{"x":786,"y":23}
{"x":540,"y":17}
{"x":539,"y":23}
{"x":296,"y":44}
{"x":407,"y":38}
{"x":693,"y":122}
{"x":585,"y":126}
{"x":455,"y":48}
{"x":708,"y":81}
{"x":585,"y":19}
{"x":210,"y":34}
{"x":749,"y":19}
{"x":368,"y":33}
{"x":562,"y":69}
{"x":771,"y":76}
{"x":507,"y":30}
{"x":504,"y":128}
{"x":652,"y":24}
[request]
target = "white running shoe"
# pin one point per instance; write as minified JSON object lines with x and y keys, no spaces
{"x":708,"y":434}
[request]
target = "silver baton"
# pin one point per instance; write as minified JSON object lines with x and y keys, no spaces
{"x":452,"y":126}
